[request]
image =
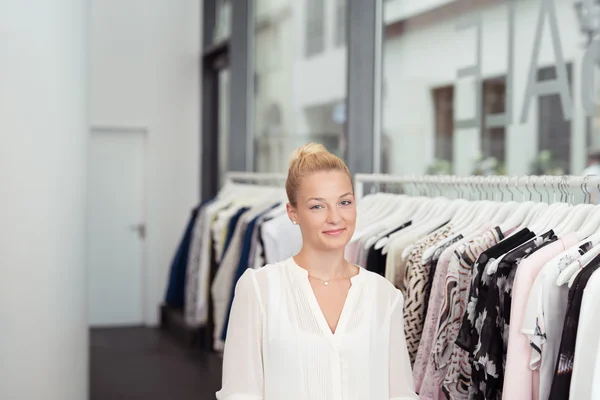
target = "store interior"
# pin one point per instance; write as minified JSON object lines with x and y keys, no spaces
{"x":118,"y":269}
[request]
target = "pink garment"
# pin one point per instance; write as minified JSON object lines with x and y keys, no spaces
{"x":433,"y":309}
{"x":520,"y":382}
{"x":428,"y":380}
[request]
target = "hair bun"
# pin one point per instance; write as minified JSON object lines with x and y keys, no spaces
{"x":306,"y":150}
{"x":308,"y":159}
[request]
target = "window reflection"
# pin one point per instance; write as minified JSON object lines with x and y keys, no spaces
{"x":300,"y":73}
{"x":549,"y":130}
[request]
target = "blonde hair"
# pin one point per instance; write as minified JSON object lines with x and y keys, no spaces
{"x":308,"y":159}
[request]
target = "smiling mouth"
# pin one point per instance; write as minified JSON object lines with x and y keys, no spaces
{"x":334,"y":232}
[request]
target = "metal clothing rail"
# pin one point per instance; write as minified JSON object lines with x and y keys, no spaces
{"x":532,"y":184}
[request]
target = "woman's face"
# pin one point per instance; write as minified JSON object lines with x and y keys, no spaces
{"x":325,"y":210}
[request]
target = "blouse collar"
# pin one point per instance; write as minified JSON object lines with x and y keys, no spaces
{"x":360,"y":276}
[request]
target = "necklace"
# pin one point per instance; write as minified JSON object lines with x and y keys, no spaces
{"x":326,"y":282}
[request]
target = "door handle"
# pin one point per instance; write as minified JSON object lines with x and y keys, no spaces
{"x":140,"y":229}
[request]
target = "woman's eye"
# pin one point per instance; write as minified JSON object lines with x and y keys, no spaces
{"x":346,"y":202}
{"x":316,"y":207}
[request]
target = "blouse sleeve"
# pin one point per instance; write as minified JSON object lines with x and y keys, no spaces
{"x":401,"y":380}
{"x":242,"y":357}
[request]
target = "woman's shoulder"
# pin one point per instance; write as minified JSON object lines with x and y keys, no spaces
{"x":268,"y":272}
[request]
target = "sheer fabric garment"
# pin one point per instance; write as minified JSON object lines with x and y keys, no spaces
{"x":279,"y":345}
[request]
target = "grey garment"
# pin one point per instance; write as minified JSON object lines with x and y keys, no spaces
{"x":191,"y":277}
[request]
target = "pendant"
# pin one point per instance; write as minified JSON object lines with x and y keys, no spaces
{"x":326,"y":283}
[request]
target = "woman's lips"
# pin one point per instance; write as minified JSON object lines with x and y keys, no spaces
{"x":334,"y":232}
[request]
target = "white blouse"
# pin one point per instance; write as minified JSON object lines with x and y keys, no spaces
{"x":280,"y":347}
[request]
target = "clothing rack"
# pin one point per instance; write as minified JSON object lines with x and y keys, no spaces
{"x":481,"y":187}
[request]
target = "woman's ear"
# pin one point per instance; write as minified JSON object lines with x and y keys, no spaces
{"x":292,"y":213}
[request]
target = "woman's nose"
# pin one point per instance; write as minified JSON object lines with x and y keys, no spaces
{"x":333,"y":216}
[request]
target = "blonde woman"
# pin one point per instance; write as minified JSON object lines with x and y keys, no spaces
{"x":315,"y":327}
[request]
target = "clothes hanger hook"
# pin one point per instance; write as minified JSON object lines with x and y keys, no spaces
{"x":565,"y":193}
{"x":499,"y":188}
{"x":518,"y":189}
{"x":587,"y":196}
{"x":535,"y":188}
{"x":507,"y":185}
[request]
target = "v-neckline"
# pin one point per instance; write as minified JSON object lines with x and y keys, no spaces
{"x":316,"y":307}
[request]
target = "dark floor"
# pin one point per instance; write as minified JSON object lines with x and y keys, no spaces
{"x":147,"y":364}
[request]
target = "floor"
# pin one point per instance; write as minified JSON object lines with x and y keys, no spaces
{"x":144,"y":363}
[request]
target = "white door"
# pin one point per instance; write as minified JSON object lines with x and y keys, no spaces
{"x":115,"y":229}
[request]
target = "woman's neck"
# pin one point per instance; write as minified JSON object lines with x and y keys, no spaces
{"x":324,"y":265}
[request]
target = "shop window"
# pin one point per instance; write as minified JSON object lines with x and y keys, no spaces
{"x":493,"y":140}
{"x":554,"y":132}
{"x":443,"y":99}
{"x":340,"y":27}
{"x":315,"y":27}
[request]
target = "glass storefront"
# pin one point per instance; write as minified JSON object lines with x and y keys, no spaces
{"x":300,"y":73}
{"x":489,"y":87}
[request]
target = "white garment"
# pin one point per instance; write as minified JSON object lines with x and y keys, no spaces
{"x":258,"y":260}
{"x":218,"y":227}
{"x":588,"y":336}
{"x":596,"y":388}
{"x":281,"y":239}
{"x":544,"y":318}
{"x":200,"y":316}
{"x":223,"y":282}
{"x":279,"y":345}
{"x":198,"y":269}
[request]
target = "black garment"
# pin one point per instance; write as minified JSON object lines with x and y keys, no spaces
{"x":492,"y":324}
{"x":468,"y":336}
{"x":375,"y":259}
{"x":561,"y":384}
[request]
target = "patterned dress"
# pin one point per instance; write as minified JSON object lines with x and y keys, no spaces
{"x":417,"y":285}
{"x":455,"y":298}
{"x":492,"y":323}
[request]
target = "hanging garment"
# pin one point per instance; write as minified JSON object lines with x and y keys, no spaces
{"x":588,"y":338}
{"x":280,"y":346}
{"x":458,"y":380}
{"x":221,"y":284}
{"x":199,"y":258}
{"x":563,"y":371}
{"x":281,"y":239}
{"x":545,"y":315}
{"x":376,"y":261}
{"x":520,"y":382}
{"x":423,"y":370}
{"x":242,"y":266}
{"x":489,"y":356}
{"x":175,"y":296}
{"x":452,"y":309}
{"x":417,"y":284}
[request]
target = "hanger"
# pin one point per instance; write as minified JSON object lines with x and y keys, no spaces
{"x":576,"y":216}
{"x":391,"y":223}
{"x":568,"y":274}
{"x":520,"y":213}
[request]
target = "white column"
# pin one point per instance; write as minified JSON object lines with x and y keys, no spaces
{"x":43,"y":139}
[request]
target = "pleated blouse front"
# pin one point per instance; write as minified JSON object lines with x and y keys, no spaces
{"x":280,"y":347}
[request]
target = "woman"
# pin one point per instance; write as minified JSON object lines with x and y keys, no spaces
{"x":315,"y":327}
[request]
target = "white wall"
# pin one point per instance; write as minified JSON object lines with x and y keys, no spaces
{"x":426,"y":57}
{"x":144,"y":72}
